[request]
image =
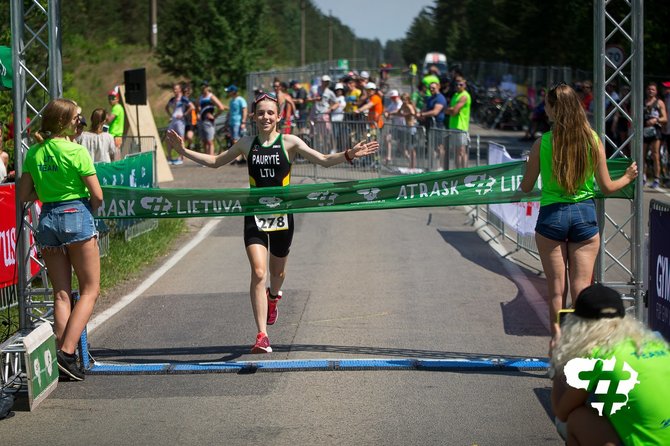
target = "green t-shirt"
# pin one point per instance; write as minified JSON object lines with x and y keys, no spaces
{"x":57,"y":166}
{"x":551,"y":191}
{"x":116,"y":126}
{"x":418,"y":99}
{"x":645,"y":418}
{"x":461,"y":121}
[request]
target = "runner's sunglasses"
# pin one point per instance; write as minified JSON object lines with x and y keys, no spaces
{"x":270,"y":96}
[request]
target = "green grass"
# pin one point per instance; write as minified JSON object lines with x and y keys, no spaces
{"x":10,"y":323}
{"x":124,"y":261}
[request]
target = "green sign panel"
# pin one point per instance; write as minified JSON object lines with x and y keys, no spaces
{"x":133,"y":171}
{"x":6,"y":71}
{"x":41,"y":363}
{"x":497,"y":183}
{"x":343,"y":64}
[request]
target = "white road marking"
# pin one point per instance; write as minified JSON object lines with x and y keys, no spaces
{"x":153,"y":278}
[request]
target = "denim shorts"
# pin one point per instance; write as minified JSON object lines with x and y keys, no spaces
{"x":236,"y":131}
{"x":65,"y":222}
{"x":572,"y":222}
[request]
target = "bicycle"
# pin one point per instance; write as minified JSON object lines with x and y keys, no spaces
{"x":512,"y":112}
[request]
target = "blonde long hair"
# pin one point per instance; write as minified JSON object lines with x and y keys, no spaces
{"x":579,"y":337}
{"x":575,"y":149}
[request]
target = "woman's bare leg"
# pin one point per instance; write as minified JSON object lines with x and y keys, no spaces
{"x":258,"y":259}
{"x":554,"y":257}
{"x":586,"y":427}
{"x":581,"y":262}
{"x":85,"y":258}
{"x":656,"y":157}
{"x":277,"y":273}
{"x":60,"y":275}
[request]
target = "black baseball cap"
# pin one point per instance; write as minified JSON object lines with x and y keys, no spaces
{"x":599,"y":302}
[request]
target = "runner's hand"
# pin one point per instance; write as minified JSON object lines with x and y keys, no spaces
{"x":364,"y":148}
{"x":175,"y":142}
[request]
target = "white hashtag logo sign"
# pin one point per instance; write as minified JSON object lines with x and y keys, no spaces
{"x":602,"y":377}
{"x":156,"y":204}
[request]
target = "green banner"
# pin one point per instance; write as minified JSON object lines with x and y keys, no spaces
{"x":497,"y":183}
{"x":6,"y":71}
{"x":132,"y":171}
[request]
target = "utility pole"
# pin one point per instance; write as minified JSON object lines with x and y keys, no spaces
{"x":154,"y":24}
{"x":330,"y":35}
{"x":302,"y":33}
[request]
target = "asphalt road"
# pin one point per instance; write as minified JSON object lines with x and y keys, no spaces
{"x":411,"y":283}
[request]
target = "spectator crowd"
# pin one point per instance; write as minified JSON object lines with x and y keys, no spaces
{"x":335,"y":112}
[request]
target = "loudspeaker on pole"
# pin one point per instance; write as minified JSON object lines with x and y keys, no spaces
{"x":136,"y":86}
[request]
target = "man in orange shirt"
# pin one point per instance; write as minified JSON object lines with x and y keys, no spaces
{"x":374,"y":106}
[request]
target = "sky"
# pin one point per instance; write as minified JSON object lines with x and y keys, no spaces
{"x":392,"y":18}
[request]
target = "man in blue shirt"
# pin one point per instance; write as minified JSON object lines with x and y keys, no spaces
{"x":432,"y":116}
{"x":237,"y":117}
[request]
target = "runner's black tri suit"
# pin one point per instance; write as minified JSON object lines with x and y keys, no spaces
{"x":269,"y":166}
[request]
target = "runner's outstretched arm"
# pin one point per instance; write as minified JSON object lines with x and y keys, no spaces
{"x":298,"y":146}
{"x":175,"y":142}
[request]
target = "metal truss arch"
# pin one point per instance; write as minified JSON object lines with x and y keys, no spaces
{"x":37,"y":62}
{"x":618,"y":58}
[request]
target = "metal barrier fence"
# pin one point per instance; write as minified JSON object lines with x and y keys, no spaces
{"x":524,"y":242}
{"x":402,"y":149}
{"x":505,"y":232}
{"x":405,"y":149}
{"x":131,"y":145}
{"x":8,"y":297}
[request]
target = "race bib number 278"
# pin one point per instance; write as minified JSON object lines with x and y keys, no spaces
{"x":272,"y":222}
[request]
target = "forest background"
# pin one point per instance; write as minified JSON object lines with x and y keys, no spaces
{"x":222,"y":41}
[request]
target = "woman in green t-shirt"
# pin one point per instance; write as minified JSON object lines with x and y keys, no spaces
{"x":61,"y":175}
{"x":568,"y":158}
{"x":610,"y":375}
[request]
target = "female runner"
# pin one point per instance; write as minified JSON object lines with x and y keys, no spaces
{"x":269,"y":159}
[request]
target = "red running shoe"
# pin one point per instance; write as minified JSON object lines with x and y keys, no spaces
{"x":272,"y":307}
{"x":262,"y":344}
